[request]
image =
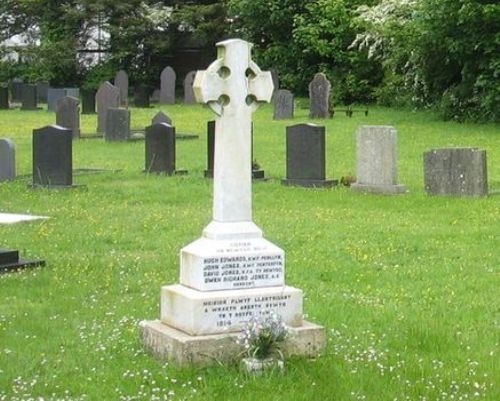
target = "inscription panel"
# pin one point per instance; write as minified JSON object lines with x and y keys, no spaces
{"x":208,"y":265}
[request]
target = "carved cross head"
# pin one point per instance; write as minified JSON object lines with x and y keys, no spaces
{"x":233,"y":82}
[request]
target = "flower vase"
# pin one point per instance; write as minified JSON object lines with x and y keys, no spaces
{"x":257,"y":366}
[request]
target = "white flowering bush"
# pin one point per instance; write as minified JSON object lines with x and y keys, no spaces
{"x":263,"y":337}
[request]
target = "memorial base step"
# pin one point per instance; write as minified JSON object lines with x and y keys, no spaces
{"x":379,"y":189}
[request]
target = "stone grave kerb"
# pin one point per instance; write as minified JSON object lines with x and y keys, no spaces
{"x":233,"y":86}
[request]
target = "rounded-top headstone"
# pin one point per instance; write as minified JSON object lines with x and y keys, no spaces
{"x":167,"y":89}
{"x":319,"y":96}
{"x":107,"y":96}
{"x":121,"y":82}
{"x":189,"y":97}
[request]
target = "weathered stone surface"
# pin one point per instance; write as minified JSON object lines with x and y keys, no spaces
{"x":377,"y":170}
{"x":88,"y":101}
{"x":188,"y":88}
{"x":161,"y":117}
{"x":52,"y":157}
{"x":167,"y":89}
{"x":283,"y":104}
{"x":4,"y":98}
{"x":117,"y":125}
{"x":16,"y":89}
{"x":155,"y":96}
{"x":121,"y":82}
{"x":68,"y":114}
{"x":276,"y":79}
{"x":160,"y":149}
{"x":167,"y":343}
{"x":456,"y":171}
{"x":53,"y":95}
{"x":306,"y":156}
{"x":319,"y":96}
{"x":141,"y":95}
{"x":107,"y":96}
{"x":29,"y":97}
{"x":42,"y":88}
{"x":7,"y":160}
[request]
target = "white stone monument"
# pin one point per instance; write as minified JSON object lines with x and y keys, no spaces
{"x":231,"y":273}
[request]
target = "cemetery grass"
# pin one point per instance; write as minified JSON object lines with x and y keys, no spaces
{"x":406,"y":286}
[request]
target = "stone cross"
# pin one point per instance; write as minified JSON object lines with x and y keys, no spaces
{"x":232,"y":86}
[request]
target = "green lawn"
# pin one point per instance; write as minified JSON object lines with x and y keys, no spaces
{"x":406,"y":286}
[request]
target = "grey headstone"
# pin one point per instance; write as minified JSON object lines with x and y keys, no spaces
{"x":167,"y":90}
{"x":319,"y":96}
{"x":161,"y":117}
{"x":42,"y":88}
{"x":188,"y":88}
{"x":107,"y":96}
{"x":4,"y":97}
{"x":306,"y":156}
{"x":456,"y":171}
{"x":7,"y":160}
{"x":29,"y":98}
{"x":160,"y":149}
{"x":16,"y":88}
{"x":283,"y":104}
{"x":141,"y":95}
{"x":88,"y":101}
{"x":155,"y":96}
{"x":276,"y":79}
{"x":52,"y":157}
{"x":377,"y":169}
{"x":68,"y":114}
{"x":117,"y":125}
{"x":121,"y":82}
{"x":53,"y":95}
{"x":73,"y":92}
{"x":209,"y":172}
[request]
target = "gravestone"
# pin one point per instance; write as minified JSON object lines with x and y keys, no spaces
{"x":283,"y":104}
{"x":377,"y":170}
{"x":68,"y":114}
{"x":306,"y":156}
{"x":53,"y":95}
{"x":155,"y":96}
{"x":160,"y":149}
{"x":161,"y":117}
{"x":4,"y":98}
{"x":29,"y":98}
{"x":319,"y":96}
{"x":276,"y":79}
{"x":121,"y":82}
{"x":167,"y":89}
{"x":10,"y":261}
{"x":16,"y":89}
{"x":52,"y":157}
{"x":107,"y":96}
{"x":88,"y":101}
{"x":117,"y":125}
{"x":7,"y":160}
{"x":141,"y":95}
{"x":456,"y":171}
{"x":73,"y":92}
{"x":188,"y":88}
{"x":209,"y":172}
{"x":231,"y":273}
{"x":42,"y":88}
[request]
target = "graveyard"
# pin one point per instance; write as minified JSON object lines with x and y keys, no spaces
{"x":405,"y":285}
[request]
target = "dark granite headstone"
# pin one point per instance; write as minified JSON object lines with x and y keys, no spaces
{"x":167,"y":90}
{"x":10,"y":261}
{"x":305,"y":156}
{"x":4,"y":97}
{"x":68,"y":114}
{"x":188,"y":88}
{"x":117,"y":125}
{"x":121,"y":82}
{"x":88,"y":101}
{"x":283,"y":104}
{"x":53,"y":95}
{"x":16,"y":90}
{"x":52,"y":157}
{"x":319,"y":96}
{"x":209,"y":172}
{"x":29,"y":101}
{"x":161,"y":117}
{"x":160,"y":149}
{"x":42,"y":88}
{"x":276,"y":79}
{"x":107,"y":96}
{"x":7,"y":160}
{"x":141,"y":95}
{"x":456,"y":171}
